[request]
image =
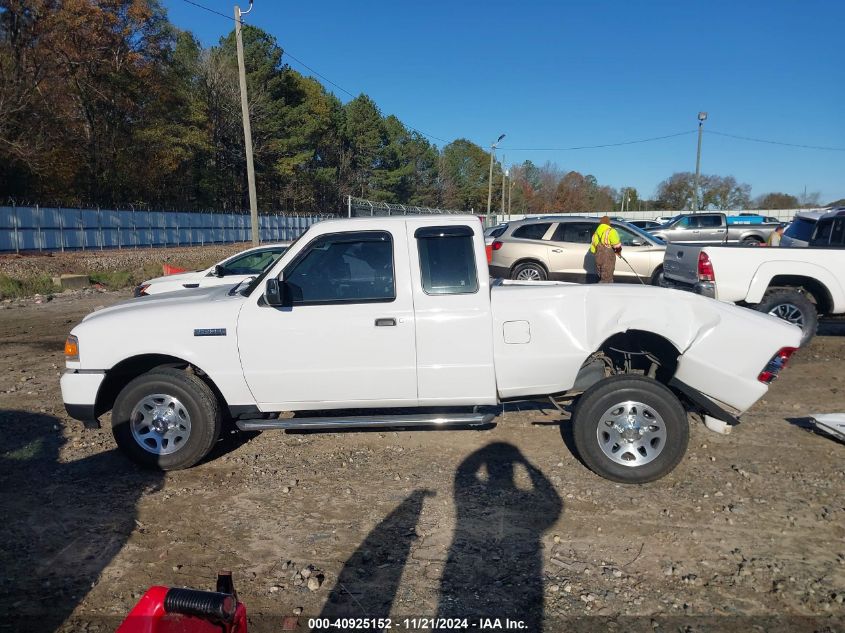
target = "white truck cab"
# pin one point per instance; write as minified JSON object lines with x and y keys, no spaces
{"x":387,"y":313}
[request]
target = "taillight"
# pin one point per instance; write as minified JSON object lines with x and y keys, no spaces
{"x":705,"y":268}
{"x":777,"y":363}
{"x":497,"y":245}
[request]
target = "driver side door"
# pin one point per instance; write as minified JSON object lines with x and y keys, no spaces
{"x":346,"y":335}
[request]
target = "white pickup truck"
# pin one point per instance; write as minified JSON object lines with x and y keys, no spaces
{"x":392,"y":314}
{"x":794,"y":284}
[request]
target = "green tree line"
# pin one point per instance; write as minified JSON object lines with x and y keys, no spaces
{"x":105,"y":102}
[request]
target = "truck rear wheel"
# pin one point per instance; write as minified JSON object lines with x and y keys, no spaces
{"x":167,"y":419}
{"x":793,"y":307}
{"x":630,"y":429}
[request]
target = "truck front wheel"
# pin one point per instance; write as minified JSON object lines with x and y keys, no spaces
{"x":167,"y":419}
{"x":630,"y":429}
{"x":793,"y":307}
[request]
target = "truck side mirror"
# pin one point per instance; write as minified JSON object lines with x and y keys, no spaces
{"x":276,"y":292}
{"x":219,"y":271}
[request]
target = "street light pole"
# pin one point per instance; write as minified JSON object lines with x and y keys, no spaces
{"x":702,"y":117}
{"x":490,"y":179}
{"x":250,"y":168}
{"x":504,"y":184}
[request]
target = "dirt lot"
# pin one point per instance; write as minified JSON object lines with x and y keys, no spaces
{"x":748,"y":532}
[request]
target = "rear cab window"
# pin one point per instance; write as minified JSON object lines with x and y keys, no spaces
{"x":447,"y":260}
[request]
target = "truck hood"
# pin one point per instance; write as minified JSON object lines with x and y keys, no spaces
{"x":176,"y":300}
{"x":190,"y":275}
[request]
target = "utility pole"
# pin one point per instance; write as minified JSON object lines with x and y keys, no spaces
{"x":504,"y":184}
{"x":510,"y":199}
{"x":250,"y":168}
{"x":490,"y":179}
{"x":702,"y":117}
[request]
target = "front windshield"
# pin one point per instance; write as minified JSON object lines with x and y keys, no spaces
{"x":247,"y":290}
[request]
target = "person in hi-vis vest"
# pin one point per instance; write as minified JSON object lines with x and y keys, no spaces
{"x":606,"y":246}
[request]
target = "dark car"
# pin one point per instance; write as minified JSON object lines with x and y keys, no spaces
{"x":645,"y":224}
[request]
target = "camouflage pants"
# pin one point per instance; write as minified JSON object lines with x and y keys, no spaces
{"x":605,"y":263}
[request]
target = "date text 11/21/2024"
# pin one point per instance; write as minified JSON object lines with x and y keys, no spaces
{"x":415,"y":624}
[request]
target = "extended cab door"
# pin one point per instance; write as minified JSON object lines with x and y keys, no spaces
{"x":453,"y":319}
{"x":345,"y":337}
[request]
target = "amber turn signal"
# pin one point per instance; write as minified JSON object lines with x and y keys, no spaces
{"x":72,"y":348}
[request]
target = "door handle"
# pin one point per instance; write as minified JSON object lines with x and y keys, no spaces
{"x":557,"y":250}
{"x":387,"y":322}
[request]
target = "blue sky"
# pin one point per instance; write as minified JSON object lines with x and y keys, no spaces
{"x":560,"y":74}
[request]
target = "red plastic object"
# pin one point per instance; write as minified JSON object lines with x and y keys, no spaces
{"x":489,"y":250}
{"x":148,"y":616}
{"x":167,"y":269}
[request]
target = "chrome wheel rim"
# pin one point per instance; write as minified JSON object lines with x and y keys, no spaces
{"x":631,"y":433}
{"x":788,"y":312}
{"x":529,"y":274}
{"x":160,"y":424}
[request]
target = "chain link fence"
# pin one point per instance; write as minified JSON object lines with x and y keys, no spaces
{"x":359,"y":207}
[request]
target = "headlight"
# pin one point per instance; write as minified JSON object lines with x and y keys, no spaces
{"x":72,"y":348}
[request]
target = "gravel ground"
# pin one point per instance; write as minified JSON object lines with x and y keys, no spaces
{"x":747,"y":533}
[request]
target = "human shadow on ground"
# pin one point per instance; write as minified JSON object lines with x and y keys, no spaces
{"x":62,"y":523}
{"x":366,"y":586}
{"x":494,"y":568}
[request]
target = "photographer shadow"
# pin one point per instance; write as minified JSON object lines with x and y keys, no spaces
{"x":63,"y":522}
{"x":494,"y":568}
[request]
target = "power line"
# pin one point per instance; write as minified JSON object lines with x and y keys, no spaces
{"x":306,"y":66}
{"x":760,"y":140}
{"x":210,"y":10}
{"x":576,"y":147}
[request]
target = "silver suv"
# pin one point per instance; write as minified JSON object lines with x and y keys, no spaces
{"x":559,"y":248}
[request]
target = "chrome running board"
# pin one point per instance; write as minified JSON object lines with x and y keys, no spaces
{"x":370,"y":421}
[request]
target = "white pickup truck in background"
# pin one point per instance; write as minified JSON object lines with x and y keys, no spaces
{"x":399,"y":313}
{"x":794,"y":284}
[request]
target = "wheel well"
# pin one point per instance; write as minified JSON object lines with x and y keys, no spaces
{"x":529,"y":260}
{"x":753,"y":238}
{"x":641,"y":352}
{"x":130,"y":368}
{"x":817,"y":290}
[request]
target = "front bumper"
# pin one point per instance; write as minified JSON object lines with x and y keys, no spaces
{"x":704,"y":288}
{"x":79,"y":393}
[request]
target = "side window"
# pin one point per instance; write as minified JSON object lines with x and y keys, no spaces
{"x":685,"y":223}
{"x":710,"y":221}
{"x":837,"y":235}
{"x":532,"y":231}
{"x":822,"y":234}
{"x":344,"y":268}
{"x":498,"y":231}
{"x":574,"y":232}
{"x":627,"y":238}
{"x":447,"y":260}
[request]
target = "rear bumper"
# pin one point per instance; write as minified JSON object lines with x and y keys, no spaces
{"x":704,"y":288}
{"x":79,"y":393}
{"x":499,"y":272}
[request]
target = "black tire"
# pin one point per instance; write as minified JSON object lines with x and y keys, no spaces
{"x":195,"y":399}
{"x":530,"y":268}
{"x":657,"y":276}
{"x":794,"y":307}
{"x":652,"y":400}
{"x":752,"y":241}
